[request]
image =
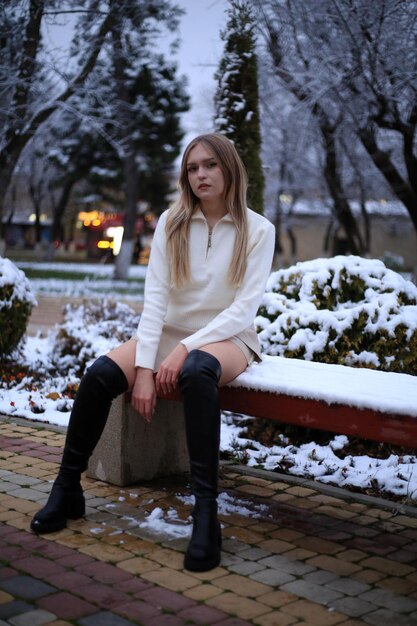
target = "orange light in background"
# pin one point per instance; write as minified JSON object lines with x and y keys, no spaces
{"x":104,"y":245}
{"x":97,"y":219}
{"x":88,"y":215}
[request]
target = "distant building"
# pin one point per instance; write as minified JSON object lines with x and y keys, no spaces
{"x":305,"y":225}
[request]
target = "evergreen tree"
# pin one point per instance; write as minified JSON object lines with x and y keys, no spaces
{"x":89,"y":147}
{"x":236,"y":98}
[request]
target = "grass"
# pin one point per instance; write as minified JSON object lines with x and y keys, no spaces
{"x":44,"y":274}
{"x":83,"y":282}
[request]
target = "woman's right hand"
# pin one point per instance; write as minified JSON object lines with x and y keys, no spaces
{"x":144,"y":393}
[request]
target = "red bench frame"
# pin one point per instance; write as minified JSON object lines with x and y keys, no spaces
{"x":390,"y":428}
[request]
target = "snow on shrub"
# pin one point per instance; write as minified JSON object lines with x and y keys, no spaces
{"x":51,"y":367}
{"x":16,"y":303}
{"x":346,"y":309}
{"x":89,"y":330}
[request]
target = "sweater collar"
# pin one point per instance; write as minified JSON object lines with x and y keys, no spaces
{"x":199,"y":215}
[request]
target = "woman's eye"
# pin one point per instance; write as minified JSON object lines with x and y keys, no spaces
{"x":191,"y":169}
{"x":213,"y":164}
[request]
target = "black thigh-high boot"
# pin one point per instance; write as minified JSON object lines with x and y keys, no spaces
{"x":102,"y":382}
{"x":199,"y":384}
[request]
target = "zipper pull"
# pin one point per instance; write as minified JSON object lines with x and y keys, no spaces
{"x":209,"y":239}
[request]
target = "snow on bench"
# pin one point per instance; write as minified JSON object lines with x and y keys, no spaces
{"x":363,"y":388}
{"x":381,"y":406}
{"x":366,"y":403}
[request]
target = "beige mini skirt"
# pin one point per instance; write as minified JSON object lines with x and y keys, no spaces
{"x":247,"y":341}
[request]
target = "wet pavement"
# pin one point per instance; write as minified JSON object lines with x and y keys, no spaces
{"x":312,"y":555}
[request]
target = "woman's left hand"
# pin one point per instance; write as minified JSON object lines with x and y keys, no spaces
{"x":167,"y":376}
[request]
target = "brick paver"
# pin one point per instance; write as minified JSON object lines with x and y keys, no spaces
{"x":312,"y":558}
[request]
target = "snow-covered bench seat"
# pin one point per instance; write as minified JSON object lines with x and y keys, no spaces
{"x":381,"y":406}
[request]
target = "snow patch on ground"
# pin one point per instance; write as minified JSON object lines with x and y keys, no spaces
{"x":168,"y":523}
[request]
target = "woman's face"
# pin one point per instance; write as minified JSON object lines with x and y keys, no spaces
{"x":204,"y":174}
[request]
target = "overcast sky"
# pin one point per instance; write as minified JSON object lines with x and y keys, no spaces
{"x":198,"y":57}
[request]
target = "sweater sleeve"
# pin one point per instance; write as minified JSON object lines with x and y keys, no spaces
{"x":157,"y":285}
{"x":242,"y":312}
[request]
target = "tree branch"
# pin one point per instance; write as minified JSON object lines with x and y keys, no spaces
{"x":18,"y":141}
{"x":18,"y":106}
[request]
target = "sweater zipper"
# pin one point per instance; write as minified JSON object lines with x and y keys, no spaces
{"x":209,"y":241}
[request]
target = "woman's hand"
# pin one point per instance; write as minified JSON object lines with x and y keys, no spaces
{"x":167,"y":376}
{"x":144,"y":393}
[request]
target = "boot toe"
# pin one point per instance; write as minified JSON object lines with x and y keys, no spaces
{"x":40,"y":526}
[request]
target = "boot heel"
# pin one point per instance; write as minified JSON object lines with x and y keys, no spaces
{"x":61,"y":506}
{"x":78,"y":509}
{"x":203,"y":552}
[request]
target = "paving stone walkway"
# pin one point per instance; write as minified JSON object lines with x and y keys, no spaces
{"x":306,"y":557}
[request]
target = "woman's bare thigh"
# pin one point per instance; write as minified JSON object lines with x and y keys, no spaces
{"x":231,"y":358}
{"x":124,"y":356}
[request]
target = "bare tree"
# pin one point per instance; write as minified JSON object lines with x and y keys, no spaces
{"x":380,"y":98}
{"x":283,"y":44}
{"x":291,"y":155}
{"x":352,"y":64}
{"x":25,"y":105}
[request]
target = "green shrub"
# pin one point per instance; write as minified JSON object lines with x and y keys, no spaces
{"x":346,"y":310}
{"x":16,"y":303}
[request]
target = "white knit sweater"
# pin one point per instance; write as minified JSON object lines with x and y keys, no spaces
{"x":209,"y":306}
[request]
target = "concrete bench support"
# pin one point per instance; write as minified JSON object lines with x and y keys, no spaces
{"x":131,"y":450}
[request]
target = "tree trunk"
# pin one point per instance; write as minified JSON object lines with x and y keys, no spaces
{"x":328,"y":235}
{"x":124,"y":258}
{"x":277,"y":223}
{"x":366,"y":222}
{"x":59,"y":210}
{"x":36,"y":194}
{"x":399,"y":186}
{"x":6,"y":171}
{"x":341,"y":206}
{"x":293,"y":244}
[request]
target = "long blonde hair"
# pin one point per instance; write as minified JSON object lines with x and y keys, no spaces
{"x":179,"y":215}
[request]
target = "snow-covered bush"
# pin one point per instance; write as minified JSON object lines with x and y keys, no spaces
{"x":346,"y":309}
{"x":91,"y":329}
{"x":16,"y":303}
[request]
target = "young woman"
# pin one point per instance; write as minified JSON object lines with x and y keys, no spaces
{"x":210,"y":259}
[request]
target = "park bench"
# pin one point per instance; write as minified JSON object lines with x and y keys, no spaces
{"x":364,"y":403}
